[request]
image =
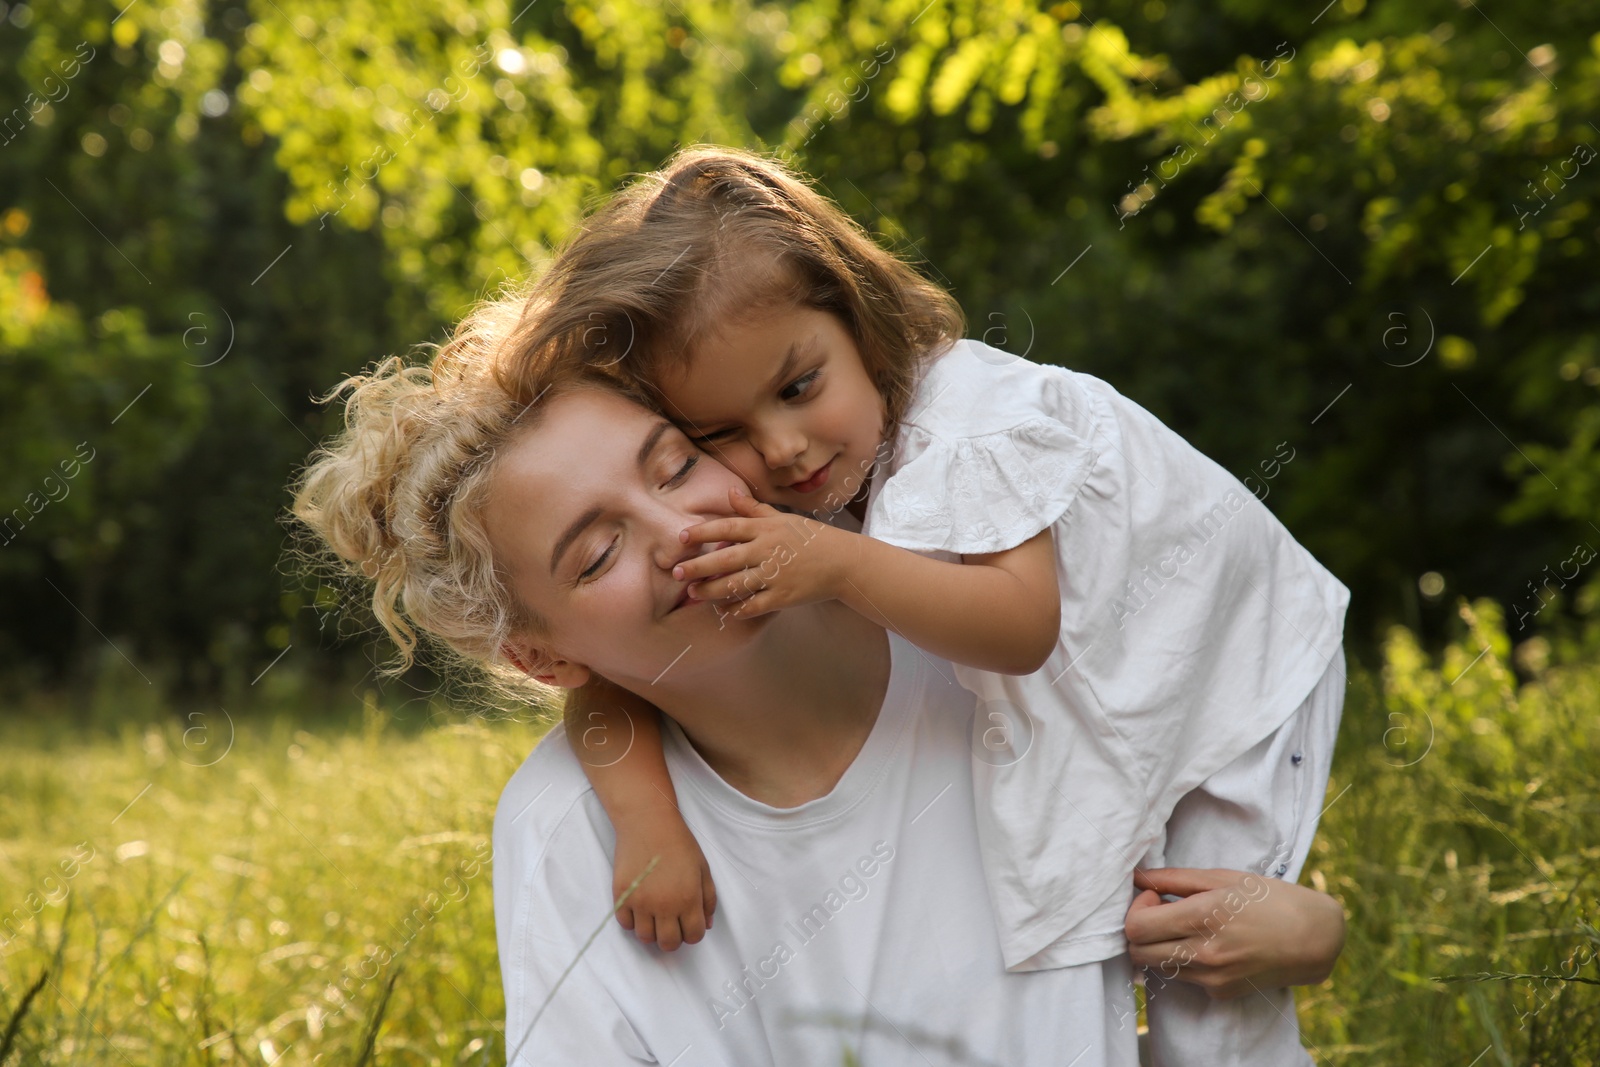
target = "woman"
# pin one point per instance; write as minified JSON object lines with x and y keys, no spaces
{"x":825,"y":762}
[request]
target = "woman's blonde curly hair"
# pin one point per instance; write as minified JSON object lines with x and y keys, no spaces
{"x":397,"y":497}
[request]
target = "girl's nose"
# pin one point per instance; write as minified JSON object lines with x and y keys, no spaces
{"x":781,"y":448}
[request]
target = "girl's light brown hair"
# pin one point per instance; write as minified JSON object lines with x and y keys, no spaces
{"x":715,"y":235}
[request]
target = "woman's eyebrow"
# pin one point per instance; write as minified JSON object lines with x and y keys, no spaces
{"x":572,"y":533}
{"x":651,"y":440}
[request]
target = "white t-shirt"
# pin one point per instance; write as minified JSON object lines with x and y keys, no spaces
{"x":858,"y":921}
{"x":1192,"y":625}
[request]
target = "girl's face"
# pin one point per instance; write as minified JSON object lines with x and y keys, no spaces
{"x":583,"y":518}
{"x":783,"y":399}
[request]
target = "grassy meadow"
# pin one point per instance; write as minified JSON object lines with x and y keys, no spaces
{"x":231,"y":888}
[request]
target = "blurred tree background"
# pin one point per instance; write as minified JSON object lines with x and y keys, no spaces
{"x":1346,"y":248}
{"x":1350,"y":253}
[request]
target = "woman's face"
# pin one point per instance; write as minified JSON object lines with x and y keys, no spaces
{"x":584,"y":515}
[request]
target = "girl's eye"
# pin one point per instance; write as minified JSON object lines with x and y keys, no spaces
{"x":713,"y":436}
{"x":800,"y":386}
{"x":683,"y":471}
{"x":594,"y":567}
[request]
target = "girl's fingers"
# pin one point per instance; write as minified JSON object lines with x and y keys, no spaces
{"x":712,"y":530}
{"x":668,"y":934}
{"x":721,"y":561}
{"x":745,"y":504}
{"x":741,"y":585}
{"x":759,"y":604}
{"x":644,"y":927}
{"x":693,"y":925}
{"x":625,"y":917}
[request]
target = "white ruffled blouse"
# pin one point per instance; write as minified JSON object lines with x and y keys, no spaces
{"x":1192,"y":625}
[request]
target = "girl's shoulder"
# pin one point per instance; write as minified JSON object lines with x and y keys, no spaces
{"x":992,"y":449}
{"x":972,"y":389}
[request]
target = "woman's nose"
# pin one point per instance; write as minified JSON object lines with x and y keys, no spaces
{"x":666,"y":524}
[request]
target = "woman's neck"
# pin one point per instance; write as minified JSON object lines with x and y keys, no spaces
{"x":785,"y":719}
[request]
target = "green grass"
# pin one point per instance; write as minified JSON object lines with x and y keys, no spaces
{"x":1463,"y":847}
{"x":261,"y":908}
{"x":322,"y":893}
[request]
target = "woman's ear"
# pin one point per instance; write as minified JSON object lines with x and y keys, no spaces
{"x":533,"y":661}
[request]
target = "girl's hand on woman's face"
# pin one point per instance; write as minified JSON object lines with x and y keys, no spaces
{"x":1233,"y":932}
{"x":771,"y":559}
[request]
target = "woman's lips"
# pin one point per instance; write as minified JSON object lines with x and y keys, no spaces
{"x":815,"y":482}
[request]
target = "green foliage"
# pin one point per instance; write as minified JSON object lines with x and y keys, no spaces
{"x":1364,"y":234}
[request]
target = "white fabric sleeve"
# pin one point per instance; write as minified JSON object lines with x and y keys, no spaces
{"x":985,"y":493}
{"x":551,"y":880}
{"x":580,"y":1024}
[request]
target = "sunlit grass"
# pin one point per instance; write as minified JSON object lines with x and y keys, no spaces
{"x":1461,"y":838}
{"x":252,"y":903}
{"x":187,"y":901}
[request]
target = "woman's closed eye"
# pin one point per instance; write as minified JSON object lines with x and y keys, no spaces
{"x":678,"y":478}
{"x":683,"y":471}
{"x":594,"y":568}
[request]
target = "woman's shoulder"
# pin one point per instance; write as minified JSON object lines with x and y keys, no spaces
{"x":972,"y":389}
{"x":547,"y":798}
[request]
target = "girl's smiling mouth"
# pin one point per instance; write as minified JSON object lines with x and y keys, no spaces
{"x":814,"y":482}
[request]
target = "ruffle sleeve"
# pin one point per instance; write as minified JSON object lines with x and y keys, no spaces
{"x":978,"y":494}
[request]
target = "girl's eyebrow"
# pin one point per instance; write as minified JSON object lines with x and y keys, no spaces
{"x":797,"y":349}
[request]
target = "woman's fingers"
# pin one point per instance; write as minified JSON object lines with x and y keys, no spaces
{"x":1148,"y":899}
{"x":1182,"y":881}
{"x":644,"y":927}
{"x":1163,"y":957}
{"x":1153,"y":922}
{"x":625,"y":917}
{"x":1168,"y":922}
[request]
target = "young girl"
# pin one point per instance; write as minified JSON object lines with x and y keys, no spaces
{"x":1134,"y":621}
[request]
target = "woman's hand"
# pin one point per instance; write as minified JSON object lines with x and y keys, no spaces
{"x":1233,"y":931}
{"x":774,"y":560}
{"x":673,"y":904}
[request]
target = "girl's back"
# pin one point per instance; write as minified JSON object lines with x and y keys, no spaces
{"x":1192,"y":624}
